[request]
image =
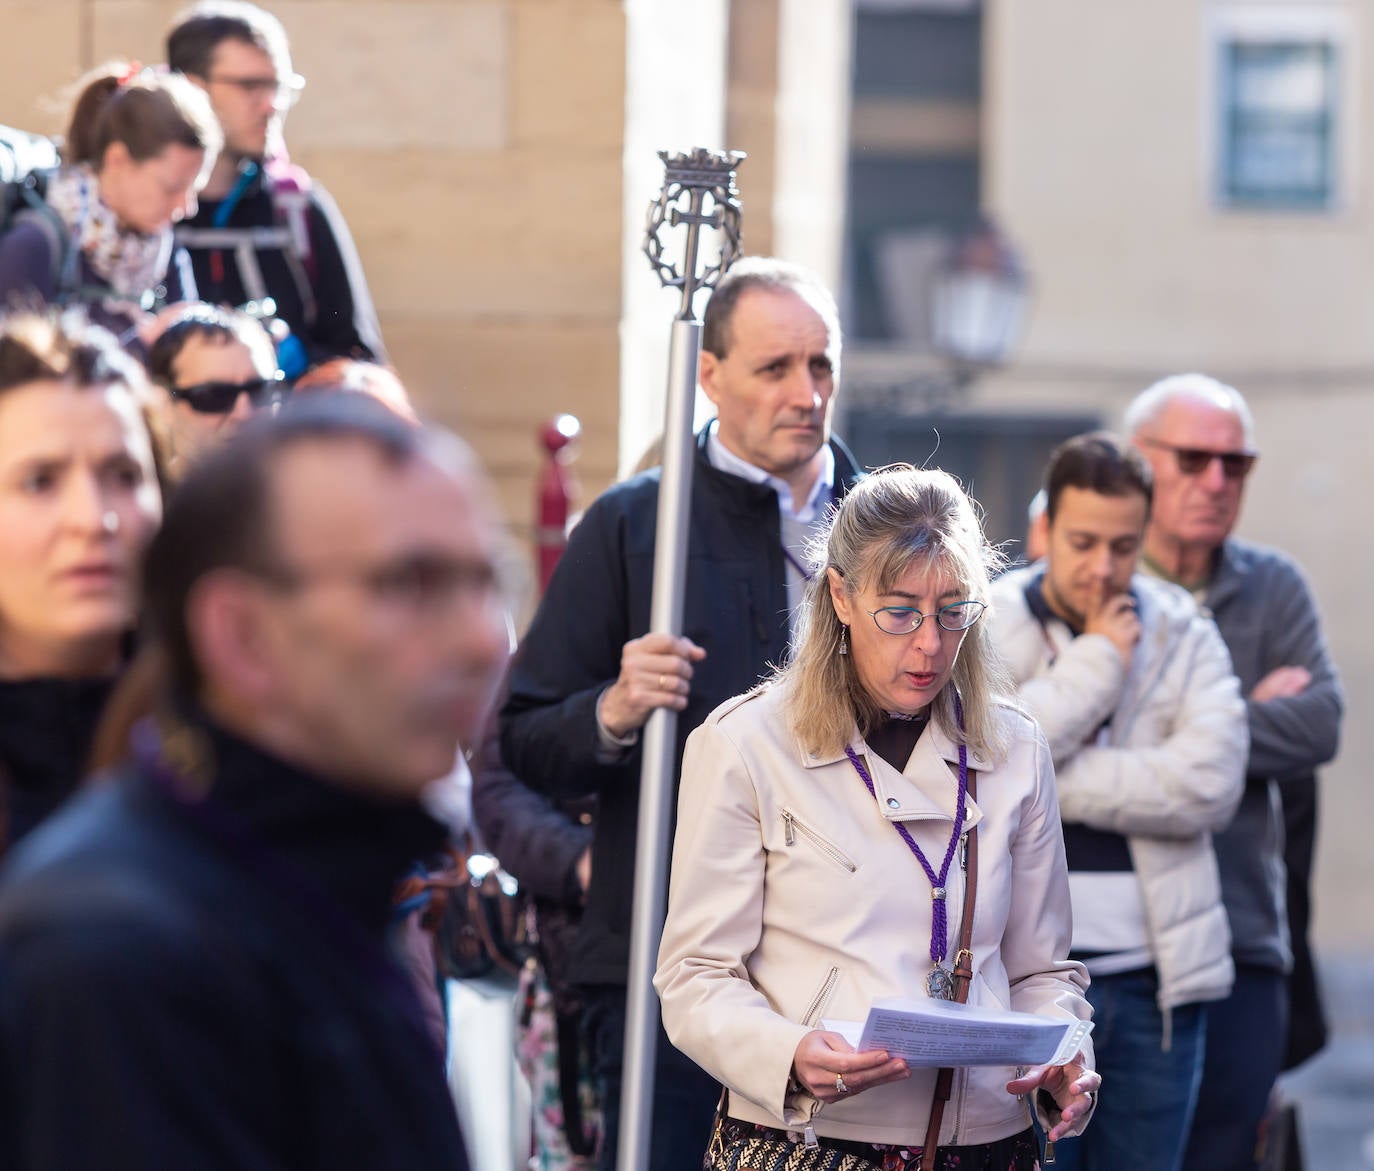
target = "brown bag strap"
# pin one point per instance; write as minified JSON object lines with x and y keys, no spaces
{"x":963,"y":976}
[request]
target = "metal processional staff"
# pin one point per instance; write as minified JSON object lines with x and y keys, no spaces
{"x":698,"y":192}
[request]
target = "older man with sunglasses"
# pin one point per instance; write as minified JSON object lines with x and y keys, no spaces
{"x":1198,"y":435}
{"x":216,"y":367}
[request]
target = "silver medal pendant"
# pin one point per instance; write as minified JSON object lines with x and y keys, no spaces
{"x":940,"y":983}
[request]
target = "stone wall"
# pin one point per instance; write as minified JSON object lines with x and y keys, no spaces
{"x":475,"y":148}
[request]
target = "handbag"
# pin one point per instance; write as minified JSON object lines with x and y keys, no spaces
{"x":476,"y":913}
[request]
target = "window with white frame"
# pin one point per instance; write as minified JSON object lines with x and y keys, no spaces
{"x":1280,"y":108}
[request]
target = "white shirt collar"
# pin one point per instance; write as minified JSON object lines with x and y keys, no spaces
{"x":822,"y":491}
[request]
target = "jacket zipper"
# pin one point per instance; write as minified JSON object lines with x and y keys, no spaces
{"x":793,"y":827}
{"x":822,"y":995}
{"x":812,"y":1011}
{"x":960,"y":1088}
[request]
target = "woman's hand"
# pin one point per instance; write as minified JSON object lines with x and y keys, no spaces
{"x":826,"y":1061}
{"x":1071,"y":1086}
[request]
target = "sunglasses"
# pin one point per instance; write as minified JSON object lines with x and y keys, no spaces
{"x":218,"y":398}
{"x":1193,"y":461}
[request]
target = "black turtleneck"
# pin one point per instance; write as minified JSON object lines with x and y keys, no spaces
{"x":332,"y":842}
{"x":207,"y":934}
{"x":46,"y":730}
{"x":895,"y":738}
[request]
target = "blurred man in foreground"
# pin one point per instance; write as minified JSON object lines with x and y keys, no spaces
{"x":193,"y":970}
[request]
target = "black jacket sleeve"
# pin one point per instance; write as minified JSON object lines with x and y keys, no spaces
{"x":1290,"y":737}
{"x":26,"y":264}
{"x":569,"y":655}
{"x":345,"y":320}
{"x":534,"y":840}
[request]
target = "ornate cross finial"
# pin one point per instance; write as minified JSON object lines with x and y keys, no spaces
{"x":699,"y":191}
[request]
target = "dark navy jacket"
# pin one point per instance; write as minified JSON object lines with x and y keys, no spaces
{"x":599,"y":599}
{"x":195,"y":977}
{"x":341,"y":322}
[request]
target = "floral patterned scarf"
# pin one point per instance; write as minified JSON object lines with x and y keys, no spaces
{"x":128,"y":261}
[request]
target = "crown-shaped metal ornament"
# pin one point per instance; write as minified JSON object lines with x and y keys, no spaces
{"x":698,"y":191}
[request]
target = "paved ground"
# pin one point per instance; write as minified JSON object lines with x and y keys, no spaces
{"x":1335,"y":1090}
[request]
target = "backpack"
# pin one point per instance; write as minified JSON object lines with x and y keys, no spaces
{"x":27,"y":162}
{"x":288,"y":187}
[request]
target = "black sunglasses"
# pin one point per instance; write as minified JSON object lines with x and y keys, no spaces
{"x":1193,"y":461}
{"x":218,"y":398}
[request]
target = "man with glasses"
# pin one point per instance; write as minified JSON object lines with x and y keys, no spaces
{"x":217,"y":367}
{"x":1198,"y":435}
{"x":266,"y":234}
{"x":1134,"y":690}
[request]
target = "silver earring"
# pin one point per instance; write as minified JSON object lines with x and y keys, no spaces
{"x":110,"y":522}
{"x":844,"y":640}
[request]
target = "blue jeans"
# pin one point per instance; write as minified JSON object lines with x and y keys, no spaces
{"x":1146,"y":1103}
{"x":685,"y":1097}
{"x":1245,"y":1040}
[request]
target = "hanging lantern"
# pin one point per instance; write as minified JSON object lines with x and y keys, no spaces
{"x":978,"y":299}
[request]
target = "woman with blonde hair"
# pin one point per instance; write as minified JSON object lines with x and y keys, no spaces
{"x":138,"y":148}
{"x":814,"y":870}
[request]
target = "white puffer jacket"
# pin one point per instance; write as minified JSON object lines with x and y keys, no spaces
{"x":1173,"y":772}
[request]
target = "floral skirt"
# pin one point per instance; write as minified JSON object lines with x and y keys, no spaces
{"x":749,"y":1146}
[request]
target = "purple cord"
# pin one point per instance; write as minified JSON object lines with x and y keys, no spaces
{"x":939,"y":919}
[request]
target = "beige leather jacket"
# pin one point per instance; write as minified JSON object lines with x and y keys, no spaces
{"x":793,"y":899}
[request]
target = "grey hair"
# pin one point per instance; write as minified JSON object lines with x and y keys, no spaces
{"x":898,"y":518}
{"x":1150,"y":403}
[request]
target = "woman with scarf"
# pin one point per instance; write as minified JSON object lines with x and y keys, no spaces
{"x":138,"y":149}
{"x":79,"y":500}
{"x":874,"y":822}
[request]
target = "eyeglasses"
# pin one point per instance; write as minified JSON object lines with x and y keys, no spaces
{"x":905,"y":619}
{"x":1193,"y":461}
{"x":420,"y":584}
{"x":285,"y":91}
{"x":218,"y":398}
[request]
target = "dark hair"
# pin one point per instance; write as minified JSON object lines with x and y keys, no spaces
{"x":221,"y":516}
{"x":211,"y":323}
{"x":198,"y":32}
{"x":62,"y":345}
{"x":763,"y":272}
{"x":1101,"y":463}
{"x":145,"y":111}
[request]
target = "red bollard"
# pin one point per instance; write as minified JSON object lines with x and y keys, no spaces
{"x":555,"y":494}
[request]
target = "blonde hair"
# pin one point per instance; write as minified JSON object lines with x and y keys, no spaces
{"x":894,"y":520}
